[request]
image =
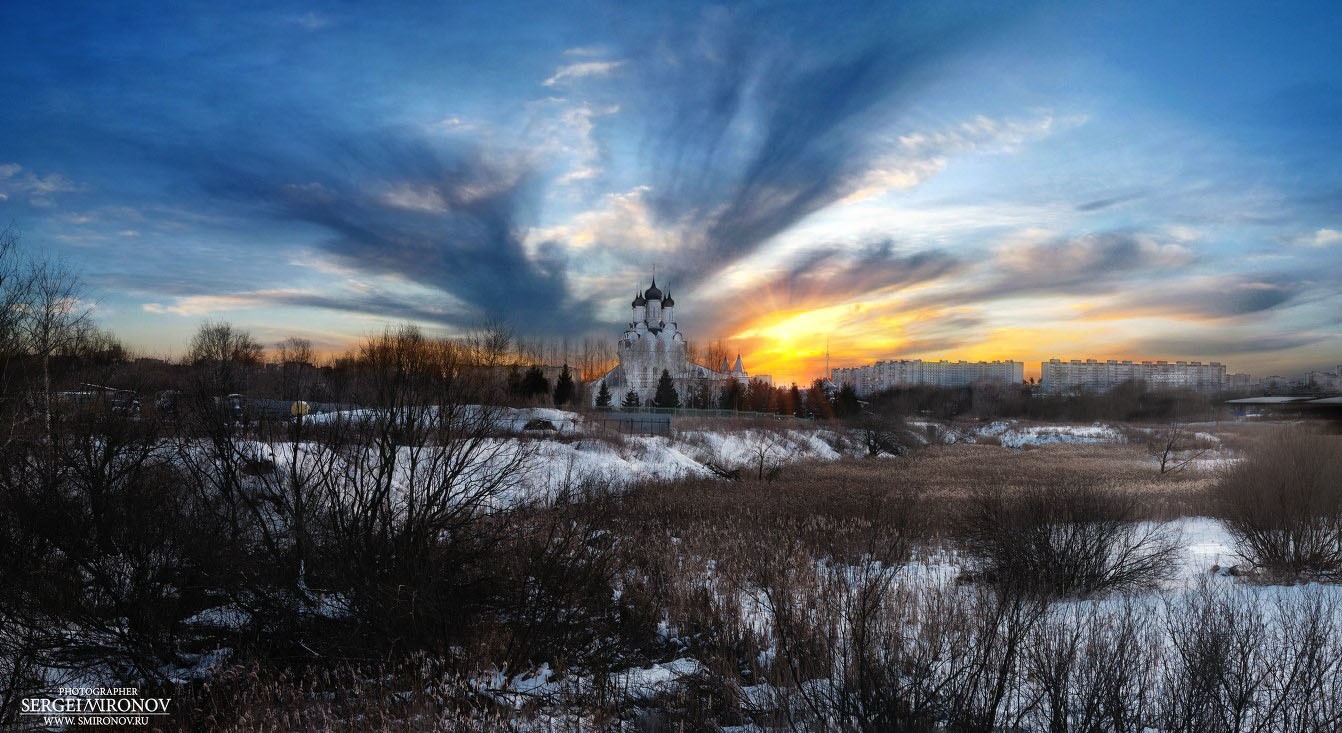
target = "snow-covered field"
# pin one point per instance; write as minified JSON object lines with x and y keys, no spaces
{"x":1014,"y":434}
{"x":567,"y":449}
{"x":1209,"y":554}
{"x":562,"y":449}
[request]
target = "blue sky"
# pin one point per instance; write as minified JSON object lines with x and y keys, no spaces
{"x":937,"y":180}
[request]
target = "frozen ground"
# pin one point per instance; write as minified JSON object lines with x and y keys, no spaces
{"x":1209,"y":552}
{"x":1014,"y":434}
{"x":574,"y":450}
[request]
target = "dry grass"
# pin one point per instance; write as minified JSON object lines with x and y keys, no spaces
{"x":942,"y":475}
{"x":775,"y":585}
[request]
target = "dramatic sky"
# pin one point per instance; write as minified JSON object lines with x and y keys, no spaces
{"x":940,"y":180}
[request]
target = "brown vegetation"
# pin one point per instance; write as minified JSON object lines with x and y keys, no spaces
{"x":1283,"y":504}
{"x":374,"y":570}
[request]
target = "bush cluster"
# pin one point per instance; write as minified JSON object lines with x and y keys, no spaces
{"x":1283,"y":504}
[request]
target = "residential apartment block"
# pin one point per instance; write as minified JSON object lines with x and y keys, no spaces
{"x":873,"y":378}
{"x":1058,"y":376}
{"x":1326,"y":381}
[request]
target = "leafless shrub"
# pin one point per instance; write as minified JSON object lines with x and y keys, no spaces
{"x":763,"y":457}
{"x":1074,"y":539}
{"x":415,"y":692}
{"x":882,"y":435}
{"x":1283,"y":504}
{"x":1175,"y":447}
{"x":1093,"y":668}
{"x":558,"y":603}
{"x":1239,"y":663}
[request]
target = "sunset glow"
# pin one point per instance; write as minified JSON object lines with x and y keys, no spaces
{"x":1062,"y":180}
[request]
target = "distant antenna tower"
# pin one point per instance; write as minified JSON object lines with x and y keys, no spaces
{"x":828,"y":374}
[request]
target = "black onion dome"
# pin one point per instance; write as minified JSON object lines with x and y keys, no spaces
{"x":653,"y":293}
{"x":638,"y":300}
{"x":668,"y":301}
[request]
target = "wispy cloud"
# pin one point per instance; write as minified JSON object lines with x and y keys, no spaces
{"x":594,"y":50}
{"x":752,"y":132}
{"x":311,"y":21}
{"x":443,"y":216}
{"x":41,"y":190}
{"x":914,"y":157}
{"x":1324,"y":238}
{"x":365,"y":304}
{"x":582,"y":70}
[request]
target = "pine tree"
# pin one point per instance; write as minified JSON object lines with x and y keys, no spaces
{"x":631,"y":399}
{"x":817,"y":401}
{"x":666,"y":392}
{"x":846,"y":403}
{"x":515,"y":381}
{"x":758,"y":395}
{"x":565,"y":392}
{"x":534,"y":383}
{"x":603,"y":395}
{"x":731,"y":396}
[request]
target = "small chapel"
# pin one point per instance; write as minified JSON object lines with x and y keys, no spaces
{"x":652,"y":342}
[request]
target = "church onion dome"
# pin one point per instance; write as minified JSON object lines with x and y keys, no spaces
{"x":653,"y":293}
{"x":638,"y":300}
{"x":668,"y":302}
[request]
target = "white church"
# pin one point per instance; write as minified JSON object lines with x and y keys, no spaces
{"x":651,"y":343}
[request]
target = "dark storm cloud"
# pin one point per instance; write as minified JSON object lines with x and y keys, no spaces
{"x":758,"y":128}
{"x":1091,"y":264}
{"x":1109,"y":202}
{"x":1226,"y":297}
{"x":375,"y":304}
{"x":391,"y":203}
{"x":828,"y":276}
{"x":835,"y":273}
{"x":1253,"y":344}
{"x":1059,"y":265}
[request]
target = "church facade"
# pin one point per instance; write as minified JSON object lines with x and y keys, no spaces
{"x":652,"y":342}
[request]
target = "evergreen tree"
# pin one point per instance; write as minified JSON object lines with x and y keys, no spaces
{"x":758,"y":394}
{"x":603,"y":395}
{"x":794,"y":396}
{"x":666,"y":392}
{"x":534,"y":383}
{"x":731,"y":396}
{"x":514,"y":382}
{"x":631,"y":399}
{"x":565,"y":392}
{"x":846,"y":403}
{"x":817,"y":401}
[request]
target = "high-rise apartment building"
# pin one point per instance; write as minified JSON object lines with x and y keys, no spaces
{"x":1058,"y":376}
{"x":873,"y":378}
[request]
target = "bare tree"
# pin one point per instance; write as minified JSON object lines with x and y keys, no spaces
{"x":53,"y":319}
{"x":715,"y":354}
{"x":492,"y":343}
{"x":881,"y":435}
{"x":296,"y":368}
{"x":766,"y":453}
{"x":415,"y":482}
{"x":15,"y":288}
{"x":221,"y":354}
{"x":1174,"y":447}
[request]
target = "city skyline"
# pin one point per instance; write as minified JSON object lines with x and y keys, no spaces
{"x":976,"y":182}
